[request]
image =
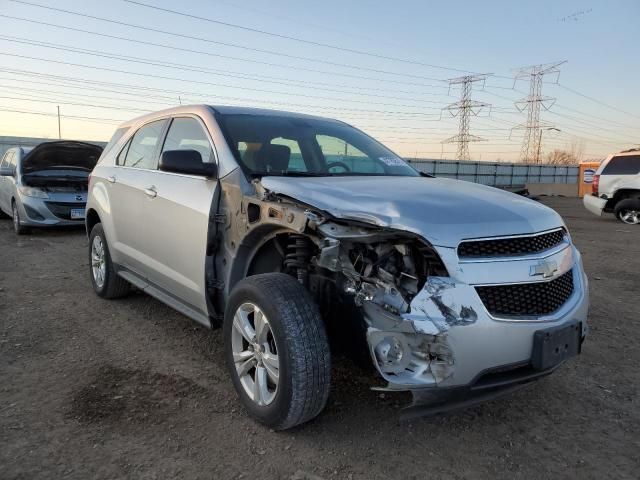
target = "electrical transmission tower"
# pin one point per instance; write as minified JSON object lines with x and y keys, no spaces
{"x":532,"y":141}
{"x":464,"y":109}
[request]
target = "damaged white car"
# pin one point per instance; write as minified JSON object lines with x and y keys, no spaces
{"x":295,"y":233}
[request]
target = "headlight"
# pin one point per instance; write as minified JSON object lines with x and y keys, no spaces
{"x":33,"y":192}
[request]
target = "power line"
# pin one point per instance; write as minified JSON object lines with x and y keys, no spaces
{"x":198,"y":69}
{"x":288,"y":37}
{"x":229,"y":57}
{"x":76,"y":117}
{"x":599,"y":102}
{"x":201,"y":82}
{"x":557,"y":105}
{"x":226,"y":44}
{"x":172,"y":99}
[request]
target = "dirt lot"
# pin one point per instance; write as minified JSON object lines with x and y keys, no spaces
{"x":131,"y":389}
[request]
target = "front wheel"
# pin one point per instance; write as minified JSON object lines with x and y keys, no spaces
{"x":277,"y":350}
{"x":628,"y":211}
{"x":17,"y":227}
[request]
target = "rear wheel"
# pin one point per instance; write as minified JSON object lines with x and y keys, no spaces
{"x":628,"y":211}
{"x":277,"y":350}
{"x":106,"y":282}
{"x":17,"y":227}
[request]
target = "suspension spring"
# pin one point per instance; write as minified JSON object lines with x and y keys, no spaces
{"x":297,"y":257}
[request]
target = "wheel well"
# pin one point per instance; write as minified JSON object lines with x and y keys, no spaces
{"x":267,"y":259}
{"x":92,"y":219}
{"x":625,"y":193}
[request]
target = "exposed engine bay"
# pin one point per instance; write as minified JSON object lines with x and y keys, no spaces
{"x":60,"y":167}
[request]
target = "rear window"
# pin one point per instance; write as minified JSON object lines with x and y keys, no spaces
{"x":623,"y":165}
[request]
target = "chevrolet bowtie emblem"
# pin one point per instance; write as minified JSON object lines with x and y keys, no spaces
{"x":544,"y":268}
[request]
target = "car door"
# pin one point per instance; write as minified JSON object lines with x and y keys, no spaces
{"x":135,"y":165}
{"x":177,"y":217}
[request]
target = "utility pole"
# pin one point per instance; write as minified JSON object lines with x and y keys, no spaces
{"x":464,"y":109}
{"x":532,"y":141}
{"x":59,"y":130}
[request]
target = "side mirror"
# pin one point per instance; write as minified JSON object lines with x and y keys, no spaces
{"x":188,"y":162}
{"x":6,"y":171}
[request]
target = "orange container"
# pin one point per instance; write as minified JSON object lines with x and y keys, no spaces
{"x":587,"y":171}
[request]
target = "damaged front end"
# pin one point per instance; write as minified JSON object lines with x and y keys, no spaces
{"x":403,"y":291}
{"x":390,"y":297}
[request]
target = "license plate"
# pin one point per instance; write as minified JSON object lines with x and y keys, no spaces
{"x":77,"y":213}
{"x":554,"y":345}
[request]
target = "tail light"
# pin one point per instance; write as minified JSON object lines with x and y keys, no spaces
{"x":595,"y":185}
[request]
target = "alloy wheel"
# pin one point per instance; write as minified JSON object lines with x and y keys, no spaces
{"x":16,"y":218}
{"x":630,"y":216}
{"x":255,"y":354}
{"x":98,"y":265}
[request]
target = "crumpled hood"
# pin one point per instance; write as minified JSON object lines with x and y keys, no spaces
{"x":441,"y":210}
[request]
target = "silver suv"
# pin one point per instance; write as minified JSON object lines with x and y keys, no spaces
{"x":295,"y":232}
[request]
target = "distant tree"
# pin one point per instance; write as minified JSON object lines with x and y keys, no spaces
{"x":567,"y":157}
{"x":561,"y":157}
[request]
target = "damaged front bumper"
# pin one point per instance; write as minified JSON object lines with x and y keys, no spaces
{"x":449,"y":344}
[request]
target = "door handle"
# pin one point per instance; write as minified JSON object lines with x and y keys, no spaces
{"x":150,"y":192}
{"x":111,"y":179}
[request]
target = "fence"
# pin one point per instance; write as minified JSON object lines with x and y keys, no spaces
{"x":497,"y":174}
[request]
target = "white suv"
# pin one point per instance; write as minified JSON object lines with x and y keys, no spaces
{"x":616,"y":187}
{"x":294,"y":232}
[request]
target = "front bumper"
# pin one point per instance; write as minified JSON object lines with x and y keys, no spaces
{"x":36,"y":212}
{"x":594,"y":204}
{"x":439,"y":352}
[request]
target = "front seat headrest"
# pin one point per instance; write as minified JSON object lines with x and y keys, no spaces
{"x":273,"y":158}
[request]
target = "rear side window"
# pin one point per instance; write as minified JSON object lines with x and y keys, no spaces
{"x":623,"y":165}
{"x":187,"y":134}
{"x":114,"y":139}
{"x":143,"y":147}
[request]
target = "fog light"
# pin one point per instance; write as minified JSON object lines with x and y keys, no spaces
{"x":389,"y":351}
{"x":32,"y":213}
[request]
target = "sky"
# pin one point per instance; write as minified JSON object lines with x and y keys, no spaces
{"x":381,"y":66}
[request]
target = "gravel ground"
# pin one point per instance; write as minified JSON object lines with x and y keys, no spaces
{"x":131,"y":389}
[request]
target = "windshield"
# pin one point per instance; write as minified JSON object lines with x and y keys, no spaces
{"x":280,"y":145}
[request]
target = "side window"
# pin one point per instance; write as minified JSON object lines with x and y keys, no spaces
{"x":123,"y":153}
{"x":623,"y":165}
{"x":339,"y":152}
{"x":143,"y":146}
{"x":187,"y":134}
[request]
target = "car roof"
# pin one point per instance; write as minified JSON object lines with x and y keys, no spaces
{"x":221,"y":109}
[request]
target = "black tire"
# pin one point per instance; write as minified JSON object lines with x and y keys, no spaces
{"x":113,"y":286}
{"x":625,"y":206}
{"x":302,"y":346}
{"x":19,"y":229}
